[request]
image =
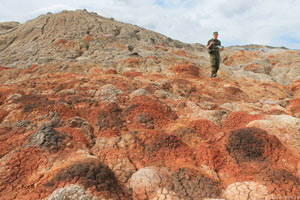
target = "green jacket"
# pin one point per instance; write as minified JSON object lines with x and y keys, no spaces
{"x":214,"y":49}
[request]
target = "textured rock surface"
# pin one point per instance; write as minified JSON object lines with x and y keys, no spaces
{"x":145,"y":183}
{"x":246,"y":190}
{"x":72,"y":192}
{"x":7,"y":26}
{"x":92,"y":108}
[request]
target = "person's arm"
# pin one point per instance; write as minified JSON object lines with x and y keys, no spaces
{"x":222,"y":47}
{"x":209,"y":44}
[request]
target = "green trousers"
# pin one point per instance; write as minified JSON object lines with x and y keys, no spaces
{"x":215,"y":62}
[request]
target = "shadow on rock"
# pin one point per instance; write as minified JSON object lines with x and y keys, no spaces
{"x":251,"y":144}
{"x":188,"y":183}
{"x":90,"y":173}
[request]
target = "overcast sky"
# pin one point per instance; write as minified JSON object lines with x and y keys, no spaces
{"x":239,"y":22}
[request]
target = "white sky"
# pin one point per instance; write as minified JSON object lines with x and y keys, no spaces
{"x":239,"y":22}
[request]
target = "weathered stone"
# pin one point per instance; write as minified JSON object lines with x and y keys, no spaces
{"x":71,"y":192}
{"x":279,"y":124}
{"x":250,"y":144}
{"x":109,"y":93}
{"x":127,"y":113}
{"x":188,"y":183}
{"x":48,"y":138}
{"x":246,"y":190}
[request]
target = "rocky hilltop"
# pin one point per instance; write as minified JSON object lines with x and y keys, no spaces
{"x":92,"y":108}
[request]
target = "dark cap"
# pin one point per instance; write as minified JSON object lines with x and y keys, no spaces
{"x":215,"y":33}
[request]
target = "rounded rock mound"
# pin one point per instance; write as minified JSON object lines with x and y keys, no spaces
{"x":71,"y":35}
{"x":251,"y":144}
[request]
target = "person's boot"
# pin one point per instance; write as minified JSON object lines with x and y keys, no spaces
{"x":213,"y":75}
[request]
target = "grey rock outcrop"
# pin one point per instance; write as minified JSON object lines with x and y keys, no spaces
{"x":8,"y":26}
{"x":72,"y":34}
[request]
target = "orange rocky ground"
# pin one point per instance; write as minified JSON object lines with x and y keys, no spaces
{"x":147,"y":123}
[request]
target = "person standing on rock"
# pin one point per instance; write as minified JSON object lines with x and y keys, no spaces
{"x":214,"y":47}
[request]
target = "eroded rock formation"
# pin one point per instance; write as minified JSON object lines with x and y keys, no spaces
{"x":91,"y":108}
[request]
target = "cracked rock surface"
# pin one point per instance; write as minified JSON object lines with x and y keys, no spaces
{"x":71,"y":192}
{"x":246,"y":190}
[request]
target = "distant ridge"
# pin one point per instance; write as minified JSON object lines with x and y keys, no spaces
{"x":68,"y":35}
{"x":256,"y":47}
